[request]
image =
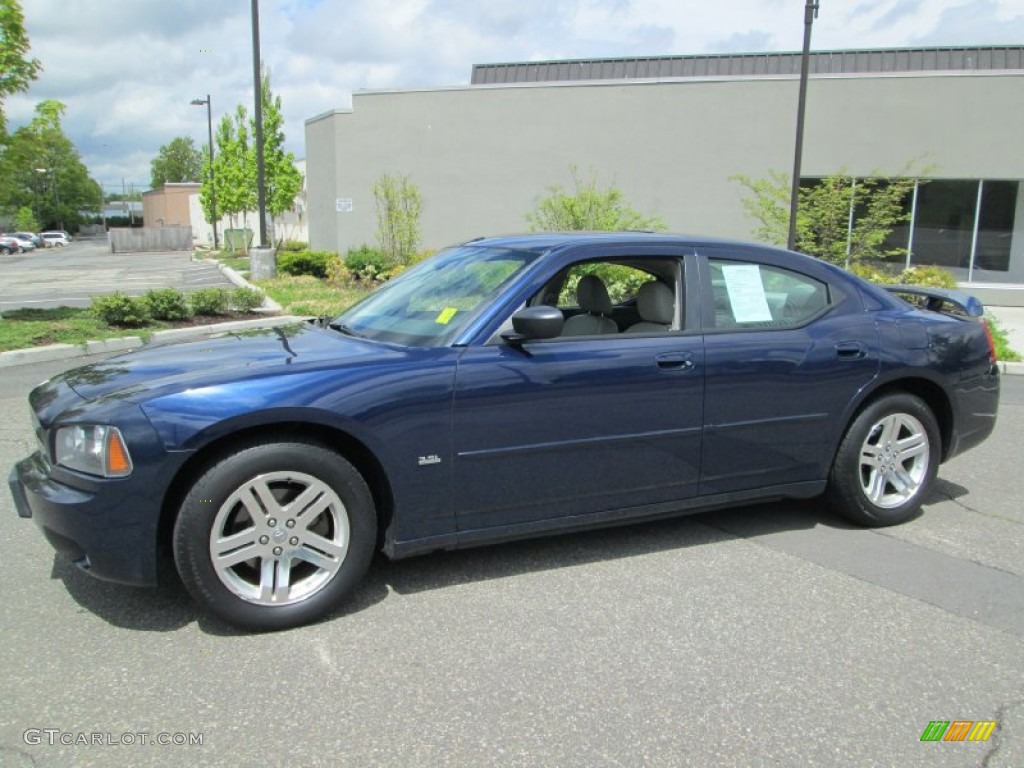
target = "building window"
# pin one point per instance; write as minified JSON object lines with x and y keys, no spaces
{"x":942,"y":230}
{"x":995,"y":232}
{"x":944,"y":223}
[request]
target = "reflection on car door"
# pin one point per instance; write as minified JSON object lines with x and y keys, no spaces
{"x":573,"y":427}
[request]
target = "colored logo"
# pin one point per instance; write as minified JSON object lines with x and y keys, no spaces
{"x":958,"y":730}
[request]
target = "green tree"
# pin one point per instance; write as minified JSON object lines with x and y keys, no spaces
{"x":823,"y":230}
{"x":17,"y":70}
{"x":45,"y":173}
{"x":235,"y":163}
{"x":175,"y":162}
{"x":282,"y":180}
{"x":399,"y":204}
{"x":25,"y":220}
{"x":587,"y":208}
{"x":234,"y":170}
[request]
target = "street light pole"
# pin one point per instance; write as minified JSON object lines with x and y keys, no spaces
{"x":810,"y":14}
{"x":213,"y":178}
{"x":261,"y":190}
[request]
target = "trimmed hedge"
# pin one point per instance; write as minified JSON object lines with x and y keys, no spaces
{"x":121,"y":309}
{"x":210,"y":301}
{"x":297,"y":263}
{"x":167,"y":304}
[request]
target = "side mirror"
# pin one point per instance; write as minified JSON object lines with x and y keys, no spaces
{"x":540,"y":322}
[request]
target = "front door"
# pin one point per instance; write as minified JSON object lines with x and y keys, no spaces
{"x":574,"y":426}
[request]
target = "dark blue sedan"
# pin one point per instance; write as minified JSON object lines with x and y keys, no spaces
{"x":504,"y":388}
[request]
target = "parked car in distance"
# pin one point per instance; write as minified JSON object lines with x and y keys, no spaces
{"x":35,"y":239}
{"x":505,"y":388}
{"x":54,"y":238}
{"x":10,"y":244}
{"x":26,"y":243}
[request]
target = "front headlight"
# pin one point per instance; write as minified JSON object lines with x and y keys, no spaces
{"x":93,"y":449}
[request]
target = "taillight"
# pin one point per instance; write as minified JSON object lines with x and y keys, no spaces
{"x":991,"y":341}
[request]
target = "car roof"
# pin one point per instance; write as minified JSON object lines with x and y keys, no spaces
{"x":546,"y":241}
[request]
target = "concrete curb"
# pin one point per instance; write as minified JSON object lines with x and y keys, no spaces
{"x":17,"y":357}
{"x":269,"y":305}
{"x":1011,"y":369}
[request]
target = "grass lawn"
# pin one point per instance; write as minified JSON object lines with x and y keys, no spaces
{"x":23,"y":328}
{"x":310,"y":295}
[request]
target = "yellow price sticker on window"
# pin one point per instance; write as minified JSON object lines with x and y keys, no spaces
{"x":446,"y":315}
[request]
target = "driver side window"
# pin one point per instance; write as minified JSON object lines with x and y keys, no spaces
{"x":598,"y":298}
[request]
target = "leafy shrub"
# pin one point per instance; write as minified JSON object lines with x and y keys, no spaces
{"x":399,"y":203}
{"x":368,"y":265}
{"x":120,"y":309}
{"x":1002,"y":342}
{"x":875,"y":273}
{"x":365,"y":255}
{"x":210,"y":301}
{"x":294,"y":245}
{"x":246,"y":299}
{"x":298,"y":263}
{"x":936,"y":277}
{"x":880,"y":273}
{"x":337,"y":272}
{"x":168,"y":304}
{"x":587,"y":207}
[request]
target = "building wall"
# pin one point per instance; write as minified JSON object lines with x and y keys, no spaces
{"x":483,"y":156}
{"x":168,"y":206}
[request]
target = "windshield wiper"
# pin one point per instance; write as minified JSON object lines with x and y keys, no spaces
{"x":342,"y":328}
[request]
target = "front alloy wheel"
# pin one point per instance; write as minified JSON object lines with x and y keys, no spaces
{"x":275,"y":535}
{"x":280,"y":538}
{"x":886,"y":461}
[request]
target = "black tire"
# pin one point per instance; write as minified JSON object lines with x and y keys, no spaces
{"x":342,"y":534}
{"x":871,"y":465}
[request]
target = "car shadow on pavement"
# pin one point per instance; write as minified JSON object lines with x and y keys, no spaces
{"x":445,"y":569}
{"x":169,"y":607}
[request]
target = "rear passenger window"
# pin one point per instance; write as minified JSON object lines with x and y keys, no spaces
{"x":750,"y":295}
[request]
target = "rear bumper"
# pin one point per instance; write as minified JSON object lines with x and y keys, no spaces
{"x":108,"y":532}
{"x":977,"y":406}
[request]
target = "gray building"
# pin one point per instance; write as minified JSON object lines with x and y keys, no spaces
{"x":673,"y":132}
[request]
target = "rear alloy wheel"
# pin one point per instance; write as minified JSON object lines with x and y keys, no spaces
{"x":275,"y":535}
{"x":886,"y":462}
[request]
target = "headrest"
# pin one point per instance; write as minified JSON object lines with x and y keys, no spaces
{"x":656,"y":303}
{"x":592,"y":295}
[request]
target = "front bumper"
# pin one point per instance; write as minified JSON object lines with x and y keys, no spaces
{"x":108,"y":531}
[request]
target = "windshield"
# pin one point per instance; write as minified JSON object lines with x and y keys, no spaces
{"x":427,"y":305}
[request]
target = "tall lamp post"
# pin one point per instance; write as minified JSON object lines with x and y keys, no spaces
{"x":213,"y":182}
{"x":257,"y":80}
{"x":810,"y":14}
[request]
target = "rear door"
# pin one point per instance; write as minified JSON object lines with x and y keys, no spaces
{"x":786,"y":351}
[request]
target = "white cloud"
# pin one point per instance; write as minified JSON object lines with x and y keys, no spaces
{"x":127,"y":71}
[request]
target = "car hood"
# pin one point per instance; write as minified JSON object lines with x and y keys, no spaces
{"x":151,"y":371}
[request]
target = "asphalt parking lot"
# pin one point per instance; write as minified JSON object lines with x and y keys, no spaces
{"x":71,"y":276}
{"x":762,"y":636}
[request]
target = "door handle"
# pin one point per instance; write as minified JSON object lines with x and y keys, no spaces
{"x":679,"y":361}
{"x":850,"y":350}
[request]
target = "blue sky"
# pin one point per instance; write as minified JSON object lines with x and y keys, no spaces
{"x":127,"y":69}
